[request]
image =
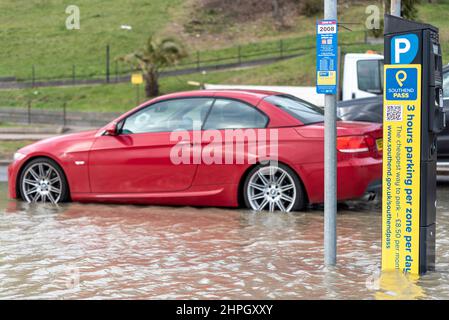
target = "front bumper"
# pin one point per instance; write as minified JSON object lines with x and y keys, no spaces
{"x":12,"y":179}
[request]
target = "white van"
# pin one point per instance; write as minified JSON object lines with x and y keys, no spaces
{"x":362,"y":77}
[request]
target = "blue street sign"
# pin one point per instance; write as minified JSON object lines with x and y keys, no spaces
{"x":326,"y":56}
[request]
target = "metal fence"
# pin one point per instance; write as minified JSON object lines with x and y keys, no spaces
{"x":55,"y":116}
{"x":28,"y":110}
{"x":116,"y":71}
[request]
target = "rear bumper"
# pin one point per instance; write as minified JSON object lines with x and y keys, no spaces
{"x":373,"y":191}
{"x":355,"y":177}
{"x":374,"y":187}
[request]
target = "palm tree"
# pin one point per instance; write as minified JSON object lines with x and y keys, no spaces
{"x":157,"y":53}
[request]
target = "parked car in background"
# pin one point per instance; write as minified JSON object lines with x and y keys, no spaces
{"x":370,"y":110}
{"x":131,"y":159}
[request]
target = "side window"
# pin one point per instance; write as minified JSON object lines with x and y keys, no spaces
{"x":446,"y":85}
{"x":232,"y":114}
{"x":171,"y":115}
{"x":369,"y":75}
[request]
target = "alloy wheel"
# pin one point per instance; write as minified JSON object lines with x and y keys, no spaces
{"x":271,"y":188}
{"x":41,"y":182}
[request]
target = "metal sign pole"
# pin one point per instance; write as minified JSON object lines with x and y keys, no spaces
{"x":395,"y":8}
{"x":137,"y":80}
{"x":330,"y":162}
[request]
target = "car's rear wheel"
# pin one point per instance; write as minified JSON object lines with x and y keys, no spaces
{"x":42,"y":180}
{"x":273,"y":187}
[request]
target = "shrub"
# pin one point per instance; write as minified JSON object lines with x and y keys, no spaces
{"x":310,"y":7}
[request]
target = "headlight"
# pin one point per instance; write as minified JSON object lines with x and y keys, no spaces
{"x":18,"y":156}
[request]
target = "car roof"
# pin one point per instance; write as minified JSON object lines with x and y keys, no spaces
{"x":355,"y":102}
{"x":220,"y":92}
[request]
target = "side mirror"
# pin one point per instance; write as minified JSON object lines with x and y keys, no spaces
{"x":111,"y":129}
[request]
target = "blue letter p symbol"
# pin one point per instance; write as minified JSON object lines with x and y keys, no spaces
{"x":404,"y":48}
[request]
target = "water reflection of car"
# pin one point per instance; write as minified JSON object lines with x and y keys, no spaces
{"x":131,"y":159}
{"x":370,"y":110}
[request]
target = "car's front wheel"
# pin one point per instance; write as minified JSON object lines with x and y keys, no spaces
{"x":273,"y":187}
{"x":42,"y":180}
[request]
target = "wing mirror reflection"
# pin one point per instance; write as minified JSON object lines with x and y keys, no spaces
{"x":111,"y":129}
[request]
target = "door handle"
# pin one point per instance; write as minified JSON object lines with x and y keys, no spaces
{"x":185,"y":142}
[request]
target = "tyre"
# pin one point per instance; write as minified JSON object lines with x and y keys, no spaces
{"x":42,"y":180}
{"x":273,"y":188}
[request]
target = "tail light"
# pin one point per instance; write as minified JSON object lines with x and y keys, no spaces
{"x":356,"y":144}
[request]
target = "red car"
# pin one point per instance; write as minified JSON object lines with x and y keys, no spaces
{"x":260,"y":149}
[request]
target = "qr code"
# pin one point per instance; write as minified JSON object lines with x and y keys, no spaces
{"x":394,"y":113}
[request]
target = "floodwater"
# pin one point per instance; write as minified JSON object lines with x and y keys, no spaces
{"x":78,"y":251}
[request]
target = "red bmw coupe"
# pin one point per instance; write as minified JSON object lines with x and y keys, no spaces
{"x":259,"y":149}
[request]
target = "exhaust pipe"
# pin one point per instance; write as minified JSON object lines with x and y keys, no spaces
{"x":369,"y":196}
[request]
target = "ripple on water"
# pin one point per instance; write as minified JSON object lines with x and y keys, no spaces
{"x":104,"y":251}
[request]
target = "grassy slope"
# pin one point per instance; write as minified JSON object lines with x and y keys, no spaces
{"x":437,"y":14}
{"x":34,"y":32}
{"x":217,"y":31}
{"x":298,"y":71}
{"x":120,"y":97}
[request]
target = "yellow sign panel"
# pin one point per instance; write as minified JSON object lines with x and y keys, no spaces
{"x":136,"y":78}
{"x":326,"y":78}
{"x":401,"y":168}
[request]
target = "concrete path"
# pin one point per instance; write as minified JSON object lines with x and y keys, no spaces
{"x":3,"y":173}
{"x":25,"y":136}
{"x":24,"y":132}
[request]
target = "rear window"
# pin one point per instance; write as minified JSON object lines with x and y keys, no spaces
{"x":305,"y":112}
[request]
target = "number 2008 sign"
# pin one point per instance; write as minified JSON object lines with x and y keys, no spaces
{"x":330,"y":28}
{"x":326,"y":57}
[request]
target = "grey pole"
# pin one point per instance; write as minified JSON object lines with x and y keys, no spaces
{"x":330,"y":162}
{"x":108,"y":59}
{"x":33,"y":74}
{"x":395,"y":8}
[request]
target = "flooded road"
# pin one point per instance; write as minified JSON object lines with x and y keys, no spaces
{"x":104,"y":251}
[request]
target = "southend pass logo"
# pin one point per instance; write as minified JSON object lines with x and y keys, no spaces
{"x":401,"y":83}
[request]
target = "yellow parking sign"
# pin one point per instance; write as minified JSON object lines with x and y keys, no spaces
{"x":136,"y":78}
{"x":401,"y":168}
